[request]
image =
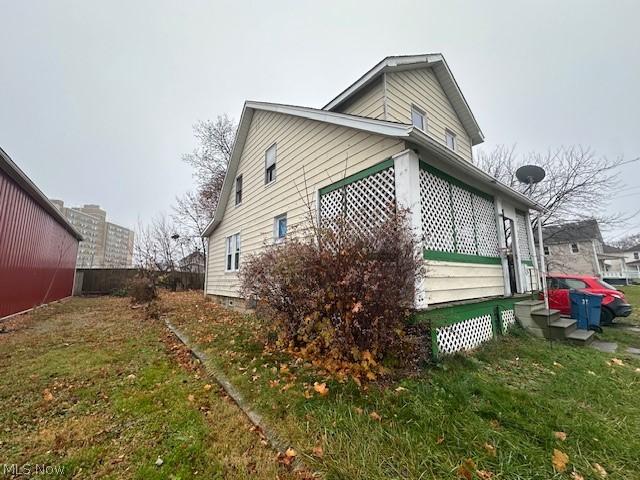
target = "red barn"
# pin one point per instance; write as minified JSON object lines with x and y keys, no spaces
{"x":38,"y":247}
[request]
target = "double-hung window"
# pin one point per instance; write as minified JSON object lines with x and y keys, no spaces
{"x":270,"y":164}
{"x":238,"y":189}
{"x":419,"y":118}
{"x":232,"y":253}
{"x":450,"y":138}
{"x":574,"y":248}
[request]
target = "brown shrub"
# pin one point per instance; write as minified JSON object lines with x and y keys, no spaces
{"x":142,"y":290}
{"x":339,"y":294}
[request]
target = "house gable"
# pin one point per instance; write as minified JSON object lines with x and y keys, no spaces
{"x":369,"y":102}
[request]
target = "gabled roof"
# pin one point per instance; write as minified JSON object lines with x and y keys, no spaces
{"x":442,"y":72}
{"x":572,"y":232}
{"x":17,"y":175}
{"x":380,"y":127}
{"x":611,"y":249}
{"x":634,"y":248}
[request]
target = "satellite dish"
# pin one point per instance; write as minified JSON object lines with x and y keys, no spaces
{"x":530,"y":174}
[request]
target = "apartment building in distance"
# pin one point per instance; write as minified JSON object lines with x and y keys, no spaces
{"x":105,"y":244}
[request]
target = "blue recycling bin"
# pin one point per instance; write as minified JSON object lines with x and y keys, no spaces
{"x":585,"y":309}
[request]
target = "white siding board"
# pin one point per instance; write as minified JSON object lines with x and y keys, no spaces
{"x":320,"y":149}
{"x":368,"y":103}
{"x":453,"y":281}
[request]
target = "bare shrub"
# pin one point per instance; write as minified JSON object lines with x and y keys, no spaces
{"x":142,"y":290}
{"x":340,"y":296}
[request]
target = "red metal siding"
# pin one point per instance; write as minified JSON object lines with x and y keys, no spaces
{"x":37,"y":254}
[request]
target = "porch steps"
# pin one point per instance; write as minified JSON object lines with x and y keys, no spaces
{"x":544,"y":323}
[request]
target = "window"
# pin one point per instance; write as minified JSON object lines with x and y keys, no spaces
{"x":418,"y":118}
{"x":636,"y":255}
{"x":233,"y":253}
{"x":280,"y":227}
{"x":270,"y":164}
{"x":546,"y":250}
{"x":450,"y":138}
{"x":238,"y":189}
{"x":574,"y":248}
{"x":571,"y":284}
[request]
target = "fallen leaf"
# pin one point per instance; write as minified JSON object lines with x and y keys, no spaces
{"x":159,"y":461}
{"x":308,"y":394}
{"x":401,"y":389}
{"x":191,"y":397}
{"x":375,"y":416}
{"x":440,"y":439}
{"x":559,"y":460}
{"x":491,"y":450}
{"x":357,"y":307}
{"x":556,"y":364}
{"x":290,"y":452}
{"x":321,"y":388}
{"x":466,"y":469}
{"x":208,"y":387}
{"x":495,"y":424}
{"x":131,"y":376}
{"x":599,"y":470}
{"x":560,"y":436}
{"x":358,"y":410}
{"x":637,"y":370}
{"x":576,"y":476}
{"x":591,"y":372}
{"x":484,"y":474}
{"x":617,"y":361}
{"x":318,"y":451}
{"x":47,"y":395}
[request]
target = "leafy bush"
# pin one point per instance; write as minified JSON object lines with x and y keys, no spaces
{"x":142,"y":290}
{"x":340,"y":296}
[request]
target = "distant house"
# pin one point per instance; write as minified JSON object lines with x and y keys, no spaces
{"x":401,"y":135}
{"x":578,"y":248}
{"x":38,"y":246}
{"x":194,"y":262}
{"x":632,"y":260}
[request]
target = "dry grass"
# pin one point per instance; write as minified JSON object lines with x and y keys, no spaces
{"x":93,"y":386}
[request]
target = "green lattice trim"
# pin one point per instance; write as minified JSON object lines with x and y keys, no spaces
{"x":453,"y":180}
{"x":459,"y":257}
{"x":358,"y":176}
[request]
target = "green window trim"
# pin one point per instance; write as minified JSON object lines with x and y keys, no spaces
{"x":459,"y":257}
{"x":358,"y":176}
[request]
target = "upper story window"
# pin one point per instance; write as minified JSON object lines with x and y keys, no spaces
{"x":232,"y":253}
{"x":450,"y":138}
{"x":280,"y":227}
{"x":574,"y":248}
{"x":636,"y":255}
{"x":418,"y":118}
{"x":546,"y":250}
{"x":238,"y":189}
{"x":270,"y":164}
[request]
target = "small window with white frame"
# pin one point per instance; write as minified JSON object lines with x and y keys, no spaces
{"x":546,"y":250}
{"x":574,"y":248}
{"x":270,"y":164}
{"x":418,"y":118}
{"x":280,"y":227}
{"x":232,"y":253}
{"x":450,"y":138}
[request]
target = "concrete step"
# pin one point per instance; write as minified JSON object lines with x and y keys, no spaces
{"x":543,"y":317}
{"x":581,"y":337}
{"x":562,"y":328}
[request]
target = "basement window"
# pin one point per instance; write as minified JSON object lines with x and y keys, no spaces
{"x":574,"y":248}
{"x":418,"y":118}
{"x":270,"y":164}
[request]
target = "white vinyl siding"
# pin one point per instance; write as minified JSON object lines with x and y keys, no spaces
{"x":453,"y":281}
{"x":367,"y":103}
{"x":421,"y":87}
{"x":326,"y":152}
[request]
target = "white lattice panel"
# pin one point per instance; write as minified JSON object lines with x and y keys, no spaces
{"x":508,"y":318}
{"x":523,"y":237}
{"x":437,"y":220}
{"x":464,"y":335}
{"x":366,"y":203}
{"x":463,"y":220}
{"x":486,"y":227}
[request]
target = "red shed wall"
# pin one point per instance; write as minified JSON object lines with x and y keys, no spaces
{"x":37,"y":254}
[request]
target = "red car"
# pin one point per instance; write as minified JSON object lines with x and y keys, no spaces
{"x":613,"y":302}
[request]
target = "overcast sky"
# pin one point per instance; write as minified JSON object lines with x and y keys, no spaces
{"x":98,"y":99}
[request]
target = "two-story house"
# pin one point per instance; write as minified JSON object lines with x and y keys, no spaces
{"x":402,"y":134}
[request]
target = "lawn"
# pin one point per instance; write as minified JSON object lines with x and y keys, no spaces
{"x":94,"y":390}
{"x":618,"y":331}
{"x":499,"y":413}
